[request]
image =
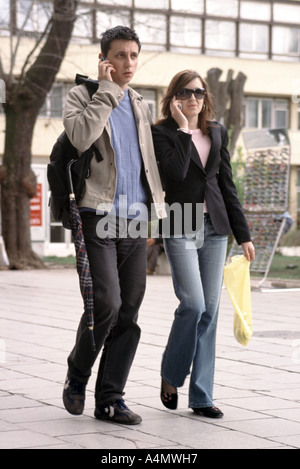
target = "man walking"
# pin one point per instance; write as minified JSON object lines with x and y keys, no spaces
{"x":117,"y":121}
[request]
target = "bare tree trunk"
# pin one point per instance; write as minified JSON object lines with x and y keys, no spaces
{"x":24,"y":98}
{"x":235,"y":115}
{"x":219,"y":90}
{"x":18,"y":186}
{"x":228,"y":101}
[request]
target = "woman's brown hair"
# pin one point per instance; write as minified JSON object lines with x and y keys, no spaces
{"x":179,"y":81}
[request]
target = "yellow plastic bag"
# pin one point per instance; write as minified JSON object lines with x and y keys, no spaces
{"x":237,"y":283}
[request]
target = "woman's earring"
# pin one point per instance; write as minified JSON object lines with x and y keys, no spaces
{"x":203,"y":107}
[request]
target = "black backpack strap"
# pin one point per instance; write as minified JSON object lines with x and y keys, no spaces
{"x":92,"y":85}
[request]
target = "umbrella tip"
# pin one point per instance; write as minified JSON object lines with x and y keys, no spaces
{"x":91,"y":328}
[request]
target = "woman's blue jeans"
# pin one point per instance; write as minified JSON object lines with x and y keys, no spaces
{"x":197,"y":277}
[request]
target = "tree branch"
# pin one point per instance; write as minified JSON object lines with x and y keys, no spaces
{"x":42,"y":72}
{"x":13,"y":53}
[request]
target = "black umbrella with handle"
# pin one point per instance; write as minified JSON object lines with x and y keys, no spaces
{"x":82,"y":261}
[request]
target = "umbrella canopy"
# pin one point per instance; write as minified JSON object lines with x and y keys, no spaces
{"x":82,"y":261}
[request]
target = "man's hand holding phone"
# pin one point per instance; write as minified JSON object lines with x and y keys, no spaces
{"x":105,"y":68}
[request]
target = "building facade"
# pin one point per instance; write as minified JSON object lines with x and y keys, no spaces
{"x":259,"y":38}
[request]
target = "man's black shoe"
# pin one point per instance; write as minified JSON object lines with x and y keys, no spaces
{"x":74,"y":396}
{"x":117,"y":412}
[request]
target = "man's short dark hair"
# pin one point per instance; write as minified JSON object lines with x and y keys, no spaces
{"x":118,"y":32}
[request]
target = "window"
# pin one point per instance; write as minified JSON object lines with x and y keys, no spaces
{"x":110,"y":18}
{"x":286,"y":13}
{"x":33,"y":15}
{"x":253,"y":40}
{"x":123,"y":3}
{"x":281,"y":109}
{"x":185,"y":34}
{"x":54,"y":102}
{"x":252,"y":113}
{"x":192,"y":6}
{"x":150,"y":98}
{"x":159,"y":4}
{"x":255,"y":10}
{"x":222,"y":8}
{"x":83,"y":25}
{"x":266,"y":113}
{"x":4,"y":15}
{"x":220,"y":37}
{"x":152,"y":30}
{"x":286,"y":41}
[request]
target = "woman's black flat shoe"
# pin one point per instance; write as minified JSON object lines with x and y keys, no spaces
{"x":212,"y":412}
{"x":168,"y":399}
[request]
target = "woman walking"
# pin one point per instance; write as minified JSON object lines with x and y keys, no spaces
{"x":195,"y":167}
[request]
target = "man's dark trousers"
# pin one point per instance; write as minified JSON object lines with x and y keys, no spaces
{"x":118,"y":266}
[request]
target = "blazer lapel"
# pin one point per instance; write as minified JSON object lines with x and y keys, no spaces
{"x":214,"y":145}
{"x":196,"y":158}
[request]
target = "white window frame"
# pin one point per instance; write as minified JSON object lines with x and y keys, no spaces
{"x":278,"y":104}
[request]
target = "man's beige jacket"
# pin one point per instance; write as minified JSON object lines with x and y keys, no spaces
{"x":87,"y":122}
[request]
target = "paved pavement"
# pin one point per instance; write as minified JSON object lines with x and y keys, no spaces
{"x":256,"y":386}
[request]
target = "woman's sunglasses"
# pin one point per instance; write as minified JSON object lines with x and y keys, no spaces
{"x":186,"y":93}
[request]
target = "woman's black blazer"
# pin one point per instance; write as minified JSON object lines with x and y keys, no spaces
{"x":185,"y":179}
